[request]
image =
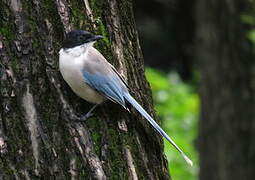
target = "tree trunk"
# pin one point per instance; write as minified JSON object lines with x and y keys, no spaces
{"x":38,"y":137}
{"x":227,"y":66}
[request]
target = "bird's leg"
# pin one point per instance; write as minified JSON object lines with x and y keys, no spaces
{"x":89,"y":114}
{"x":69,"y":114}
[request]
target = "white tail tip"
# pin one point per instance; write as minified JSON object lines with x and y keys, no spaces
{"x":187,"y":159}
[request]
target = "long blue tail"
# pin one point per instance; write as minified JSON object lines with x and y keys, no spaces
{"x":139,"y":108}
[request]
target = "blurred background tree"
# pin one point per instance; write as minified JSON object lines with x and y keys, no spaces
{"x":203,"y":51}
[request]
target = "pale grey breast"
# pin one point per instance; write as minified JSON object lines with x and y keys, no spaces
{"x":70,"y":68}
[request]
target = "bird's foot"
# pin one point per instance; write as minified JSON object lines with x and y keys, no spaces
{"x":68,"y":112}
{"x":89,"y":114}
{"x":71,"y":116}
{"x":85,"y":117}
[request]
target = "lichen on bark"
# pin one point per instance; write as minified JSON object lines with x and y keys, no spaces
{"x":38,"y":138}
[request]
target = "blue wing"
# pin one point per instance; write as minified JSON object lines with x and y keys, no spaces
{"x":110,"y":86}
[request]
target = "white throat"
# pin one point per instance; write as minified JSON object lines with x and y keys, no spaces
{"x":79,"y":50}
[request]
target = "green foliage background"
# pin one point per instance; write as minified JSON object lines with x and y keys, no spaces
{"x":177,"y":105}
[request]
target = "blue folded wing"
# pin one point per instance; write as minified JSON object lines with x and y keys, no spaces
{"x":109,"y":86}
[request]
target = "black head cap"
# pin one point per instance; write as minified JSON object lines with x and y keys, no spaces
{"x":79,"y":37}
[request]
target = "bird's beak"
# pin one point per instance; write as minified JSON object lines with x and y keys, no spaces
{"x":94,"y":38}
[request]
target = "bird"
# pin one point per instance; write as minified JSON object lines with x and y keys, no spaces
{"x":95,"y":80}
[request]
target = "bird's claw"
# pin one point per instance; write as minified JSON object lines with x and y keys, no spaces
{"x":69,"y":113}
{"x":81,"y":118}
{"x":85,"y":117}
{"x":77,"y":118}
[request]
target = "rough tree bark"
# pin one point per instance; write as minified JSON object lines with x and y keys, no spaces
{"x":37,"y":135}
{"x":227,"y":126}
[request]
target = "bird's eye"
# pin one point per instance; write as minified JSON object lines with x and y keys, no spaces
{"x":87,"y":36}
{"x":80,"y":38}
{"x":83,"y":37}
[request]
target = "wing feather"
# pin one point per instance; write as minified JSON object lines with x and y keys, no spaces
{"x":100,"y":75}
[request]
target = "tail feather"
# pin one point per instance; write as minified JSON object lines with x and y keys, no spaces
{"x":139,"y":108}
